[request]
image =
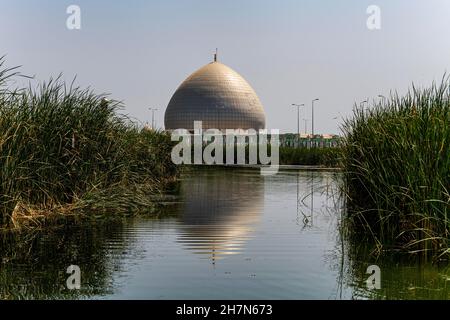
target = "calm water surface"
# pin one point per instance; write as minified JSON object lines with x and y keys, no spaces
{"x":232,"y":234}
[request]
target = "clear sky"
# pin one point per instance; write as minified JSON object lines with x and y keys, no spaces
{"x":289,"y":51}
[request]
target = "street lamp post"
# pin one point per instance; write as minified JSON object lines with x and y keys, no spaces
{"x":306,"y":122}
{"x":153,"y":116}
{"x":312,"y":117}
{"x":298,"y":120}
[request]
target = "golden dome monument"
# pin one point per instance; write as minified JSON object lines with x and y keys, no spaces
{"x":219,"y":97}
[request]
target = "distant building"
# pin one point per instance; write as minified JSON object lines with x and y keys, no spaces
{"x":219,"y":97}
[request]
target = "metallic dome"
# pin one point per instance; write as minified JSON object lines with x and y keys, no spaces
{"x":219,"y":97}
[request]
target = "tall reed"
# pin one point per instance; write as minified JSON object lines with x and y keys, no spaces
{"x":396,"y":160}
{"x":60,"y":144}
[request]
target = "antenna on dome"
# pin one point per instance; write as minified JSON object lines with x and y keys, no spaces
{"x":215,"y":56}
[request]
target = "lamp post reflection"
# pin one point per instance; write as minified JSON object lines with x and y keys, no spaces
{"x":302,"y":207}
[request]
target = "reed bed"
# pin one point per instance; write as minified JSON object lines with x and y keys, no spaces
{"x":396,"y":163}
{"x":326,"y":157}
{"x":66,"y":147}
{"x":321,"y":157}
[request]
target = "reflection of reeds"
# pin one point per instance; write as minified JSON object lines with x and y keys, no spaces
{"x":33,"y":264}
{"x":62,"y":145}
{"x":403,"y":277}
{"x":396,"y":160}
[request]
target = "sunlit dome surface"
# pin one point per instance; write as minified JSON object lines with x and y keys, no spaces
{"x":219,"y":97}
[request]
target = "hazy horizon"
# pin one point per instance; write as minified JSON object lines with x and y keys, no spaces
{"x":289,"y":51}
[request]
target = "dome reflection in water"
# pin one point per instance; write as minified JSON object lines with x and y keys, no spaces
{"x":219,"y":212}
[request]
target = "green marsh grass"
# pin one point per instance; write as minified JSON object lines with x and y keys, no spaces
{"x":66,"y":147}
{"x":327,"y":157}
{"x":396,"y":163}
